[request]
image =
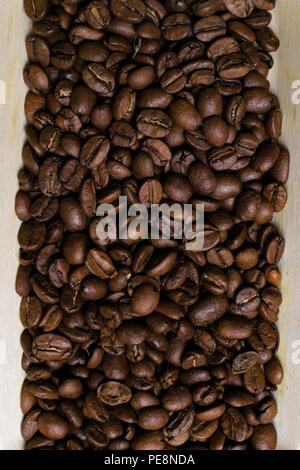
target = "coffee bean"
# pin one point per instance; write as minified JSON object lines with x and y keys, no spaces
{"x":209,"y":28}
{"x":131,"y":11}
{"x":114,"y":393}
{"x":51,"y":347}
{"x":36,"y":9}
{"x":52,"y":426}
{"x":241,"y":9}
{"x":100,"y":264}
{"x":184,"y":115}
{"x":176,"y":27}
{"x":97,"y":15}
{"x":154,"y":123}
{"x":99,"y":79}
{"x":208,"y":310}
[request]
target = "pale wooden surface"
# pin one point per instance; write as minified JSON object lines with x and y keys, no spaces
{"x":286,"y":24}
{"x":13,"y":28}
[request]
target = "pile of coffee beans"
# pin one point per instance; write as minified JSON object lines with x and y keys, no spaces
{"x":143,"y":344}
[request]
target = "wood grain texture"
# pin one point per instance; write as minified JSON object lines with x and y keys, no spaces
{"x":286,"y":24}
{"x":13,"y":29}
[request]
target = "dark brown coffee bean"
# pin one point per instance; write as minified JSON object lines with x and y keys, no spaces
{"x":94,"y":151}
{"x":36,"y":9}
{"x":154,"y":123}
{"x":234,"y":425}
{"x":97,"y":15}
{"x":241,"y":8}
{"x":131,"y":11}
{"x":185,"y":115}
{"x":51,"y":347}
{"x":145,"y":299}
{"x":114,"y":393}
{"x":176,"y":27}
{"x":30,"y":312}
{"x":100,"y":264}
{"x":208,"y":310}
{"x":209,"y":28}
{"x":99,"y":79}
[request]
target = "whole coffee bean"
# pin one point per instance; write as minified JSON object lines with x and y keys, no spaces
{"x":122,"y":134}
{"x":97,"y":15}
{"x":142,"y":77}
{"x":154,"y":123}
{"x":114,"y":393}
{"x":161,"y":263}
{"x":215,"y":131}
{"x":100,"y":264}
{"x":264,"y":437}
{"x":222,"y":158}
{"x":53,"y":426}
{"x":273,"y":371}
{"x":177,"y":188}
{"x":94,"y":151}
{"x":209,"y":28}
{"x":36,"y":79}
{"x":244,"y":361}
{"x":150,"y":192}
{"x":176,"y":398}
{"x":99,"y":79}
{"x":153,"y":418}
{"x":36,"y":9}
{"x":154,"y":97}
{"x":151,"y":440}
{"x":208,"y":310}
{"x":44,"y":289}
{"x":246,"y":259}
{"x":241,"y":9}
{"x":72,"y":214}
{"x":214,"y":280}
{"x":233,"y":327}
{"x":185,"y":115}
{"x":51,"y":347}
{"x":209,"y":103}
{"x":234,"y":425}
{"x":158,"y":151}
{"x":133,"y":11}
{"x":173,"y":80}
{"x":63,"y":55}
{"x":30,"y":312}
{"x":176,"y":27}
{"x":145,"y":299}
{"x":52,"y":318}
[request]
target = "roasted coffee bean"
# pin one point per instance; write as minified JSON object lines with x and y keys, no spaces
{"x":100,"y":264}
{"x":209,"y":28}
{"x":97,"y":15}
{"x":114,"y":393}
{"x":176,"y":27}
{"x":185,"y":115}
{"x":154,"y":123}
{"x":51,"y":347}
{"x":99,"y":79}
{"x":208,"y":310}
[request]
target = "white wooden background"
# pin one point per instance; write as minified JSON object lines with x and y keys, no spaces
{"x":13,"y":29}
